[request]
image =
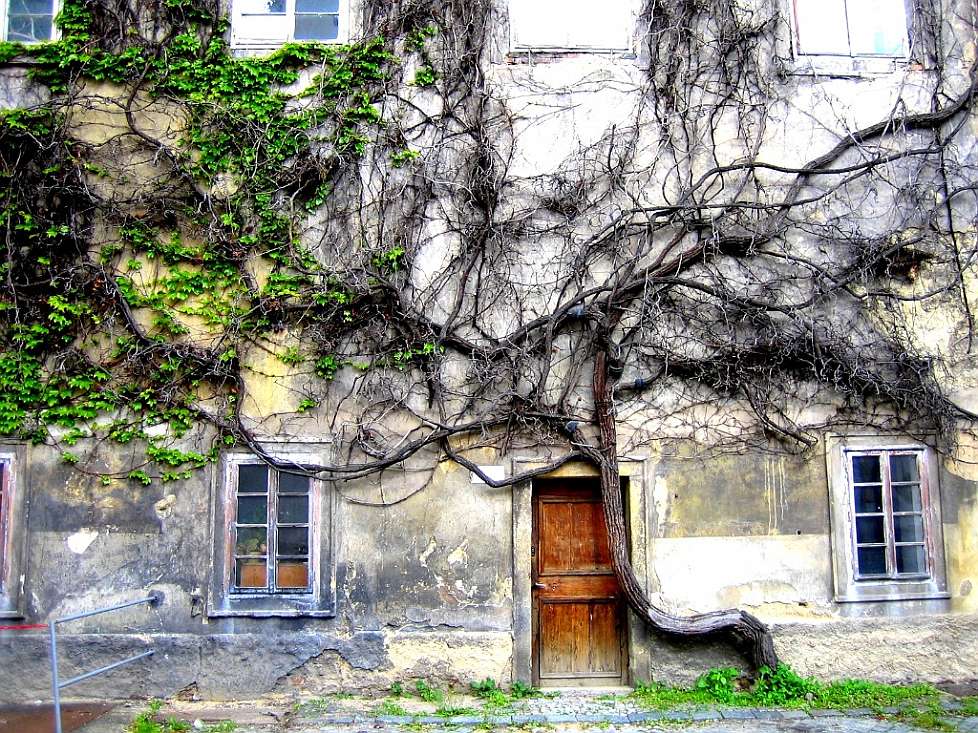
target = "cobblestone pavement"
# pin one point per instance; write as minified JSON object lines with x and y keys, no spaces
{"x":570,"y":712}
{"x":835,"y":724}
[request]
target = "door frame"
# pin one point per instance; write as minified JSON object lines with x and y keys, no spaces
{"x":638,"y":508}
{"x":574,"y":490}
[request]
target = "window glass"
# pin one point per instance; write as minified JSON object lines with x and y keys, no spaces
{"x":570,"y":24}
{"x":317,"y":6}
{"x":877,"y":27}
{"x":271,"y":530}
{"x":851,"y":27}
{"x":274,"y":22}
{"x":30,"y":21}
{"x":260,"y":7}
{"x":821,"y":26}
{"x":889,"y":524}
{"x":310,"y":27}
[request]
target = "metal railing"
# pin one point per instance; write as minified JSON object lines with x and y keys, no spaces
{"x":57,"y":685}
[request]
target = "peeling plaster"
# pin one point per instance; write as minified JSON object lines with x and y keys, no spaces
{"x":81,"y":540}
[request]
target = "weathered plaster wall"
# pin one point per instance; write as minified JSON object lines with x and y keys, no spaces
{"x":424,"y":590}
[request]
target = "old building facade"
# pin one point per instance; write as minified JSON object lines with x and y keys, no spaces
{"x":837,"y":138}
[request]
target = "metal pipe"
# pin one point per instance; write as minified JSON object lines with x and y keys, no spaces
{"x":55,"y":685}
{"x":152,"y":600}
{"x":106,"y":668}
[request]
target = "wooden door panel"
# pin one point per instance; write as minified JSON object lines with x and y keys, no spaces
{"x":572,"y":537}
{"x":576,"y":597}
{"x":579,"y":640}
{"x":605,"y":638}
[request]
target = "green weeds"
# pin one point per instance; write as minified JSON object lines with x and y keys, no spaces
{"x":389,"y":707}
{"x":782,"y":687}
{"x":146,"y":722}
{"x":428,"y":693}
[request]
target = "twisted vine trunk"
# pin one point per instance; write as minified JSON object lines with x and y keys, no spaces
{"x":745,"y":629}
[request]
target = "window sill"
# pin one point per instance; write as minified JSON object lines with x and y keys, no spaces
{"x":923,"y":589}
{"x":854,"y":67}
{"x":272,"y":606}
{"x":528,"y":55}
{"x":873,"y":598}
{"x":246,"y":613}
{"x":250,"y":49}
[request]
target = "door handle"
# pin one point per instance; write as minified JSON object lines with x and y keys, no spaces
{"x":540,"y":586}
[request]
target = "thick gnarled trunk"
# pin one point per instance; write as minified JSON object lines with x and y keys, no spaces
{"x":745,"y":629}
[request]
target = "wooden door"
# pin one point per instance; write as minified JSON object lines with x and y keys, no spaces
{"x":577,"y":610}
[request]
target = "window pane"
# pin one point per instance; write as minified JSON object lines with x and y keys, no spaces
{"x":869,"y":530}
{"x":290,"y":483}
{"x":317,"y":6}
{"x":31,"y":7}
{"x":251,"y":541}
{"x":252,"y":510}
{"x":821,"y":26}
{"x":27,"y":28}
{"x":878,"y":27}
{"x":317,"y":27}
{"x":251,"y":574}
{"x":260,"y":7}
{"x":904,"y":468}
{"x":293,"y":541}
{"x":292,"y":574}
{"x":869,"y":499}
{"x":252,"y":479}
{"x":866,"y":469}
{"x":910,"y":559}
{"x":872,"y":560}
{"x":293,"y":509}
{"x":909,"y":528}
{"x":906,"y":498}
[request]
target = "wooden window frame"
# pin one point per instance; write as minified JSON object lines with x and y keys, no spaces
{"x":851,"y":585}
{"x":244,"y":42}
{"x":5,"y":15}
{"x":272,"y":524}
{"x":317,"y":599}
{"x":13,"y":532}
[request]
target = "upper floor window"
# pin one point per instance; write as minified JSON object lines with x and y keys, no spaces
{"x":851,"y":28}
{"x":272,"y":539}
{"x":270,"y":23}
{"x":28,"y":21}
{"x":571,"y":25}
{"x":886,"y":520}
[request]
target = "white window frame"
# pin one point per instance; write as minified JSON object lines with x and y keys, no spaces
{"x":55,"y":31}
{"x":852,"y":587}
{"x":519,"y":44}
{"x":318,"y":598}
{"x":854,"y":65}
{"x":243,"y":42}
{"x":13,"y":531}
